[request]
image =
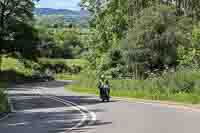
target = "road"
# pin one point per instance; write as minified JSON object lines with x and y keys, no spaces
{"x":48,"y":108}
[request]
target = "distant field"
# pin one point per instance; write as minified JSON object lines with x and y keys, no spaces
{"x":13,"y":69}
{"x":80,"y":62}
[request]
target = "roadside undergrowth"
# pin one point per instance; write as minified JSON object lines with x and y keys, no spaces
{"x":181,"y":86}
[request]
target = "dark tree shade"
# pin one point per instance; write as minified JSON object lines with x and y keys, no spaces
{"x":17,"y":35}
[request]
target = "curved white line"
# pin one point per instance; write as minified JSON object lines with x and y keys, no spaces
{"x":82,"y":108}
{"x":12,"y":109}
{"x":94,"y":118}
{"x":84,"y":111}
{"x":83,"y":114}
{"x":6,"y":116}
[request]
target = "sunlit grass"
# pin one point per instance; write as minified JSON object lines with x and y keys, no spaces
{"x":15,"y":65}
{"x":182,"y":86}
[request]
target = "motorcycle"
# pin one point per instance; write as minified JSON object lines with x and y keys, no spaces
{"x":104,"y":94}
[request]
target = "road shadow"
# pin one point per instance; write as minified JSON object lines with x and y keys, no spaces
{"x":39,"y":112}
{"x":78,"y":99}
{"x":35,"y":84}
{"x":12,"y":76}
{"x":40,"y":121}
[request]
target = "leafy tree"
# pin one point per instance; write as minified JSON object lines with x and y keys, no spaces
{"x":109,"y":22}
{"x":159,"y":33}
{"x":60,"y":43}
{"x":149,"y":34}
{"x":17,"y":35}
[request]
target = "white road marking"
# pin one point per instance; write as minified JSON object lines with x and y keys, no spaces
{"x":76,"y":108}
{"x":12,"y":109}
{"x":94,"y":118}
{"x":91,"y":114}
{"x":84,"y":111}
{"x":6,"y":116}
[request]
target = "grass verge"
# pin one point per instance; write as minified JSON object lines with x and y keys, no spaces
{"x":179,"y":97}
{"x":4,"y":107}
{"x":65,"y":76}
{"x":182,"y":86}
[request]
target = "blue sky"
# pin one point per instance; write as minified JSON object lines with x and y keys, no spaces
{"x":59,"y":4}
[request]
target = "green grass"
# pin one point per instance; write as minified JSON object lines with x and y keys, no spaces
{"x":13,"y":70}
{"x":70,"y":62}
{"x":3,"y":98}
{"x":9,"y":64}
{"x":65,"y":76}
{"x":188,"y":98}
{"x":182,"y":86}
{"x":16,"y":65}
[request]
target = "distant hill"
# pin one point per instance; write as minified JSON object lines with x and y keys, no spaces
{"x":78,"y":17}
{"x":64,"y":12}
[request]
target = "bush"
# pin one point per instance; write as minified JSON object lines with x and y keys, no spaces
{"x":3,"y":102}
{"x":190,"y":56}
{"x":62,"y":65}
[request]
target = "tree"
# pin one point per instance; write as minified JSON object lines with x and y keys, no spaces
{"x":17,"y":35}
{"x":160,"y":32}
{"x":109,"y":23}
{"x":183,"y":7}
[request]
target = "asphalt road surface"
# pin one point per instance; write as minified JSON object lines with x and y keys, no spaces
{"x":48,"y":108}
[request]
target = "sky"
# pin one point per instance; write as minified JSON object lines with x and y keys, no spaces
{"x":59,"y":4}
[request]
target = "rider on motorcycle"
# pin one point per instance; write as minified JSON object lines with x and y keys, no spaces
{"x":107,"y":86}
{"x":104,"y":88}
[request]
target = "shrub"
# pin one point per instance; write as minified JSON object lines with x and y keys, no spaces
{"x":3,"y":99}
{"x":61,"y":65}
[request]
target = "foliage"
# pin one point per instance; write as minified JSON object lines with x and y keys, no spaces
{"x":159,"y":37}
{"x":53,"y":21}
{"x":190,"y":56}
{"x":15,"y":70}
{"x":3,"y":102}
{"x":110,"y":22}
{"x":3,"y":98}
{"x":17,"y":36}
{"x":159,"y":34}
{"x":11,"y":64}
{"x":61,"y":66}
{"x":60,"y":43}
{"x":111,"y":64}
